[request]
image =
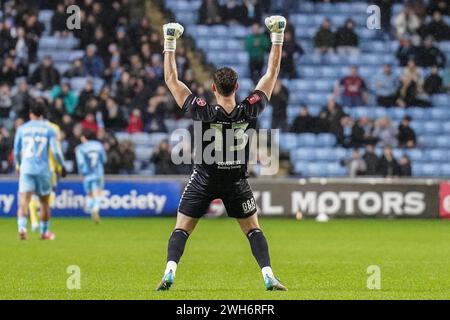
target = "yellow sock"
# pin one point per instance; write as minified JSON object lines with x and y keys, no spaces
{"x":52,"y":198}
{"x":34,"y":207}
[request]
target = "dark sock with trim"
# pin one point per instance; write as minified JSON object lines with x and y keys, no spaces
{"x":177,"y":242}
{"x":259,"y":246}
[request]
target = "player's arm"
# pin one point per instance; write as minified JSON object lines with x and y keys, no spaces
{"x":55,"y":148}
{"x":104,"y":157}
{"x":18,"y":149}
{"x":180,"y":92}
{"x":276,"y":25}
{"x":79,"y":156}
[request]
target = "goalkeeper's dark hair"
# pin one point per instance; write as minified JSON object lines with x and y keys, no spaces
{"x":38,"y":109}
{"x":225,"y":80}
{"x":89,"y":134}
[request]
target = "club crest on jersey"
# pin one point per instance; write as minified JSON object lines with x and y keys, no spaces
{"x":200,"y":102}
{"x":254,"y":98}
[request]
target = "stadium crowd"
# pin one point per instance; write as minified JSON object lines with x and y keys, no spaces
{"x":125,"y":52}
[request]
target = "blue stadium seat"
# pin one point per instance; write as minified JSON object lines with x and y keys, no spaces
{"x":122,"y":136}
{"x":326,"y":139}
{"x":143,"y":153}
{"x":335,"y":170}
{"x":303,"y":154}
{"x":306,"y":140}
{"x":426,"y":170}
{"x":140,"y":139}
{"x":155,"y":138}
{"x":442,"y":141}
{"x":445,"y":170}
{"x":288,"y":141}
{"x":438,"y":155}
{"x":416,"y":155}
{"x":324,"y":154}
{"x":432,"y":127}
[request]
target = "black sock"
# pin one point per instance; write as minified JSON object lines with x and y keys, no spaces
{"x":177,"y":242}
{"x":259,"y":246}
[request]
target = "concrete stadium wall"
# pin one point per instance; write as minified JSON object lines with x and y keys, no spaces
{"x":132,"y":196}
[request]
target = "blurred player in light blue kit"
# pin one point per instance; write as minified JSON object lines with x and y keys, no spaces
{"x":91,"y":158}
{"x":33,"y":143}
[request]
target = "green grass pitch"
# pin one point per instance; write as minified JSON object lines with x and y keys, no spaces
{"x":125,"y":258}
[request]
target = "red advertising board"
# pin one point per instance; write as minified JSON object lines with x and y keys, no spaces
{"x":444,"y":200}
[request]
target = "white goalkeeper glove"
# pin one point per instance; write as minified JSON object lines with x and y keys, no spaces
{"x":172,"y":31}
{"x":276,"y":26}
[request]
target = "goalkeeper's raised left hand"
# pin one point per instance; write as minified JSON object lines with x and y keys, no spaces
{"x":172,"y":31}
{"x":276,"y":26}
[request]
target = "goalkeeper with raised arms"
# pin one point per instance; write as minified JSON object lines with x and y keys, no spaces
{"x":226,"y":180}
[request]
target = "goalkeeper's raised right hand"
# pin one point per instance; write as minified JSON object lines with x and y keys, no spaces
{"x":276,"y":26}
{"x":172,"y":31}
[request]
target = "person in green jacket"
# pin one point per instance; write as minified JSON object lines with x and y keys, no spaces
{"x":68,"y":96}
{"x":256,"y":44}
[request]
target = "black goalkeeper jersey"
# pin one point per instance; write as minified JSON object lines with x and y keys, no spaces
{"x":221,"y":139}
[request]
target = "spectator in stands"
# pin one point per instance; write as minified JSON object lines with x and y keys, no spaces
{"x":439,"y":5}
{"x":362,"y":132}
{"x":46,"y":76}
{"x":406,"y":51}
{"x":127,"y":156}
{"x":371,"y":160}
{"x":21,"y":46}
{"x":388,"y":165}
{"x":33,"y":29}
{"x":256,"y":45}
{"x":386,"y":84}
{"x":356,"y":165}
{"x":92,"y":63}
{"x":253,"y":11}
{"x":5,"y":150}
{"x":446,"y":80}
{"x":156,"y":111}
{"x":6,"y":38}
{"x":22,"y":100}
{"x":59,"y":20}
{"x":68,"y":96}
{"x":89,"y":122}
{"x":324,"y":38}
{"x":411,"y":86}
{"x":162,"y":159}
{"x":233,"y":12}
{"x":76,"y":70}
{"x":303,"y":122}
{"x":9,"y":71}
{"x":437,"y":28}
{"x":279,"y":101}
{"x":291,"y":49}
{"x":346,"y":39}
{"x":113,"y":117}
{"x":385,"y":132}
{"x":404,"y":166}
{"x":343,"y":132}
{"x":407,"y":22}
{"x":433,"y":82}
{"x":209,"y":12}
{"x":6,"y":104}
{"x":135,"y":123}
{"x":429,"y":55}
{"x":406,"y":134}
{"x":330,"y":116}
{"x":352,"y":89}
{"x":113,"y":155}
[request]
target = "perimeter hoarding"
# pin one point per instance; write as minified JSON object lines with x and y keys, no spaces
{"x":132,"y":197}
{"x":349,"y":199}
{"x":121,"y":198}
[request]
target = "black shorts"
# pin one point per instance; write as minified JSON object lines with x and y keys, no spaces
{"x":236,"y":195}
